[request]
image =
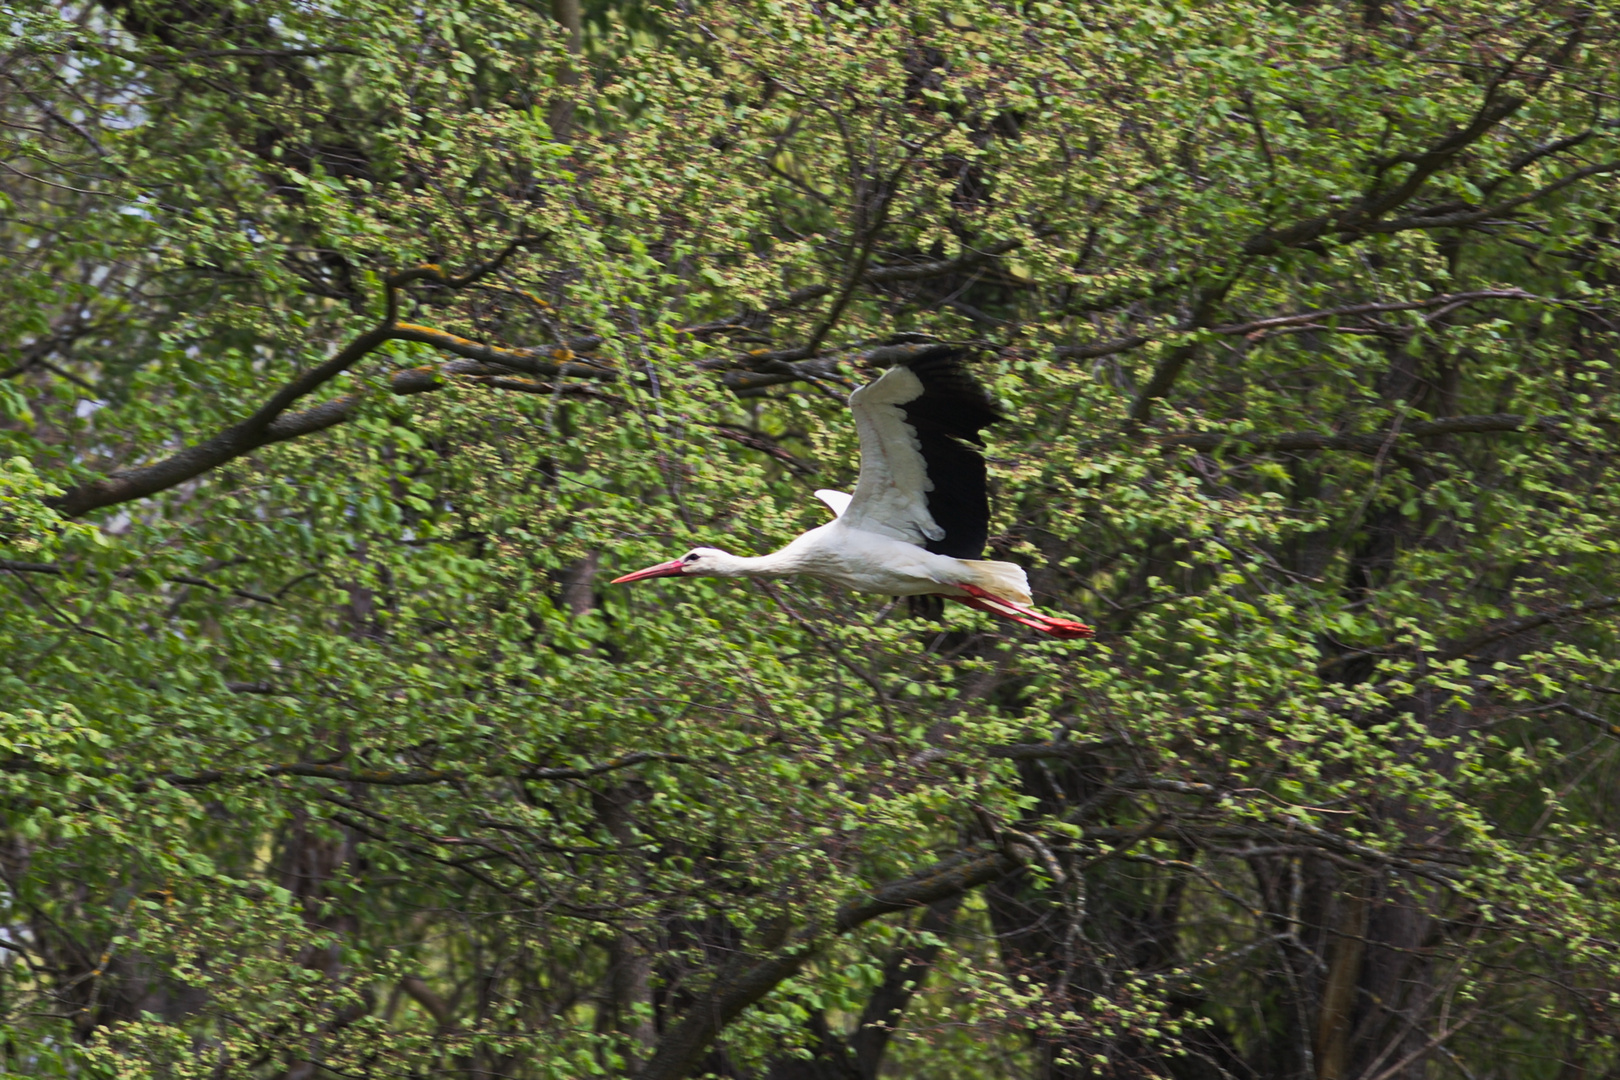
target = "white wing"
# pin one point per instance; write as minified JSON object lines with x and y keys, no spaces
{"x":891,"y":496}
{"x":838,"y":501}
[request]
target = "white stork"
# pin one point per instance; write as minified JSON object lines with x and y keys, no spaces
{"x":919,"y":518}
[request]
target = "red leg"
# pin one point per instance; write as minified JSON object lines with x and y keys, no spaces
{"x":1000,"y":613}
{"x":1018,"y":613}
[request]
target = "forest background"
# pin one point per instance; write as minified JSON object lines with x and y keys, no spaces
{"x":349,"y":348}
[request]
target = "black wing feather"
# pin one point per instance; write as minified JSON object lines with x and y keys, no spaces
{"x":947,"y":418}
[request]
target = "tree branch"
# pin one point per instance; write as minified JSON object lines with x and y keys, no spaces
{"x":371,"y":777}
{"x":1101,"y":348}
{"x":264,"y":427}
{"x":1357,"y":219}
{"x":1376,"y":309}
{"x":1303,"y":318}
{"x":1473,"y":215}
{"x":549,"y":363}
{"x":1054,"y":751}
{"x":748,"y":318}
{"x":58,"y":570}
{"x":1535,"y":154}
{"x":890,"y":275}
{"x":1364,"y":444}
{"x":755,"y":440}
{"x":773,"y":371}
{"x":1170,"y":364}
{"x":902,"y":978}
{"x":1514,"y":627}
{"x":271,"y":423}
{"x":684,"y":1044}
{"x":882,"y":275}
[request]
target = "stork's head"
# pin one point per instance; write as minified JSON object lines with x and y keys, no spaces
{"x":695,"y":563}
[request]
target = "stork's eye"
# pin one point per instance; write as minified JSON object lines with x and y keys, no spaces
{"x":692,"y":557}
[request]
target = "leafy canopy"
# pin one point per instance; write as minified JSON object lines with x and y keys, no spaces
{"x":350,"y":348}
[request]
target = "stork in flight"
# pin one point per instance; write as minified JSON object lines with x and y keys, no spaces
{"x":920,"y":515}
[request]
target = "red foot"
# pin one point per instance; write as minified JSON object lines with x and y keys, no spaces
{"x":1018,"y":613}
{"x":1068,"y":628}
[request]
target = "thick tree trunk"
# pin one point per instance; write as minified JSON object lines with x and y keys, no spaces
{"x":1334,"y":1019}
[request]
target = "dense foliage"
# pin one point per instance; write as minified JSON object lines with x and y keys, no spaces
{"x":350,"y":348}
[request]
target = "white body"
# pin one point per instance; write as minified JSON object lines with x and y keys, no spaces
{"x":864,"y":561}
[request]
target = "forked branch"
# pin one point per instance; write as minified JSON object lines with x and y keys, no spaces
{"x":684,"y":1044}
{"x":272,"y":423}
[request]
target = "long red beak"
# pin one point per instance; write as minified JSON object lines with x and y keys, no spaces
{"x":663,"y":569}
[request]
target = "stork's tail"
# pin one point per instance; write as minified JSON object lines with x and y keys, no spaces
{"x":1004,"y":579}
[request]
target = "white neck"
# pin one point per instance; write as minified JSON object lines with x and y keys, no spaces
{"x":776,"y":564}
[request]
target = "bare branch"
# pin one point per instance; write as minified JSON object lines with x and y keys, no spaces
{"x":210,"y":54}
{"x":870,"y":230}
{"x":1101,"y":348}
{"x":558,"y":360}
{"x":903,"y":975}
{"x":767,"y":370}
{"x":882,"y":275}
{"x":29,"y":567}
{"x":423,"y":995}
{"x":435,"y":273}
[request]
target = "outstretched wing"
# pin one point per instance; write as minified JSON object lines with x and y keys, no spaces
{"x":922,"y":476}
{"x":837,"y":501}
